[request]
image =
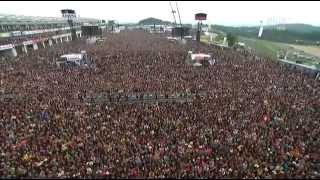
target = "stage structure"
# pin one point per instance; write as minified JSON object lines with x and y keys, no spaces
{"x":70,"y":15}
{"x":180,"y":32}
{"x":91,"y":31}
{"x":200,"y":17}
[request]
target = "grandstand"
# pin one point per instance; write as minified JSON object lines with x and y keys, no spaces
{"x":9,"y":23}
{"x":19,"y":32}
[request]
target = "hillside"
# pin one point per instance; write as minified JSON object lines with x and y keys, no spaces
{"x":152,"y":21}
{"x":308,"y":55}
{"x":300,"y":28}
{"x":290,"y":33}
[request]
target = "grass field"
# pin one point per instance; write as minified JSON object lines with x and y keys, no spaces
{"x":261,"y":47}
{"x":313,"y":50}
{"x":308,"y":55}
{"x":206,"y":39}
{"x":264,"y":48}
{"x":269,"y":48}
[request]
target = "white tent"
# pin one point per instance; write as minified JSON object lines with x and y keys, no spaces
{"x":76,"y":58}
{"x":197,"y":64}
{"x":200,"y":56}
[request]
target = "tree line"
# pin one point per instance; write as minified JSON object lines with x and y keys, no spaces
{"x":285,"y":36}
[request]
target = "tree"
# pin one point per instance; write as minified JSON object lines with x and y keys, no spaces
{"x":219,"y":37}
{"x":232,"y":39}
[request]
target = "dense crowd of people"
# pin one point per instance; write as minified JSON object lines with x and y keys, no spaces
{"x":258,"y":118}
{"x":17,"y":40}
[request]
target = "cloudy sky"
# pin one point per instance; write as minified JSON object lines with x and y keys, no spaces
{"x":219,"y":12}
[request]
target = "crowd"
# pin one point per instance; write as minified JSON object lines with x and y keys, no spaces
{"x":17,"y":40}
{"x":258,"y":118}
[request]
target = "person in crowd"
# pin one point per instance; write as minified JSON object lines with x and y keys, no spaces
{"x":256,"y":119}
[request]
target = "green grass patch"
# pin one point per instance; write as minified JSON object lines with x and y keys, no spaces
{"x":264,"y":48}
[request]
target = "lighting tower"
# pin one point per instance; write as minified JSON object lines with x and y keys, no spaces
{"x":173,"y":11}
{"x":70,"y":15}
{"x":182,"y":29}
{"x":200,"y":17}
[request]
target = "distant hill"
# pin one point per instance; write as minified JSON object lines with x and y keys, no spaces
{"x":288,"y":33}
{"x":300,"y":28}
{"x":152,"y":21}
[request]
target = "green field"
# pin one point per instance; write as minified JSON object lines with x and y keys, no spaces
{"x":260,"y":47}
{"x":268,"y":48}
{"x":204,"y":39}
{"x":272,"y":49}
{"x":264,"y":48}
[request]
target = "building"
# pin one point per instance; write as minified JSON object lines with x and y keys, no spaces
{"x":18,"y":34}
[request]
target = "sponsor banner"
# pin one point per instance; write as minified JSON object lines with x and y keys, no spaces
{"x":27,"y":42}
{"x":59,"y":36}
{"x":16,"y":33}
{"x":27,"y":32}
{"x":201,"y":16}
{"x":36,"y":40}
{"x":5,"y":34}
{"x":7,"y":46}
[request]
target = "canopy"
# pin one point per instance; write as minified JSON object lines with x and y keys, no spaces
{"x":197,"y":64}
{"x":199,"y":56}
{"x":72,"y":56}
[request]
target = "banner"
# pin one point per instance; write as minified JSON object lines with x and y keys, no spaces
{"x":27,"y":32}
{"x":5,"y":34}
{"x":61,"y":35}
{"x":16,"y":33}
{"x":27,"y":42}
{"x":7,"y":46}
{"x":36,"y":40}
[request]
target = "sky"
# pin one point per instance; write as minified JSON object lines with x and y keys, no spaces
{"x":234,"y":13}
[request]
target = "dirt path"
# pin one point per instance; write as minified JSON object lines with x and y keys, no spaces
{"x":313,"y":50}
